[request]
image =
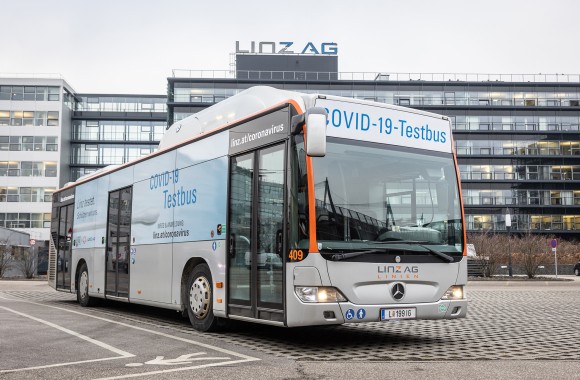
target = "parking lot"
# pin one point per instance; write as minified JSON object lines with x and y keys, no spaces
{"x":513,"y":330}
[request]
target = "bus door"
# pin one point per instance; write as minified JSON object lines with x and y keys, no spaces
{"x":118,"y":243}
{"x":64,"y":247}
{"x":256,"y":231}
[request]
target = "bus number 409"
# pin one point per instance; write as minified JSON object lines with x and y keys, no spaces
{"x":296,"y":255}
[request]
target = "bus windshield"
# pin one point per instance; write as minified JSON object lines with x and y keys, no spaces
{"x":367,"y":194}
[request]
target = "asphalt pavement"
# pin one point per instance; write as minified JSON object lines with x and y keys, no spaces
{"x":514,"y":330}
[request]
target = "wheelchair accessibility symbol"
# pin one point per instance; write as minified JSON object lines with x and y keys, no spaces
{"x":349,"y":314}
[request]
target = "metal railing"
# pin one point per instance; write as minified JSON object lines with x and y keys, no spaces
{"x":375,"y":76}
{"x":32,"y":75}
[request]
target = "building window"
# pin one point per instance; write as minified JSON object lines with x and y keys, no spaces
{"x":4,"y":118}
{"x":17,"y":93}
{"x":41,"y":93}
{"x":52,"y":118}
{"x":28,"y":143}
{"x":50,"y":169}
{"x":5,"y":92}
{"x":54,"y":93}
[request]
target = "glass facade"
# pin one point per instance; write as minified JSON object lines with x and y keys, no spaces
{"x":517,"y":142}
{"x":24,"y":220}
{"x":29,"y":118}
{"x":29,"y":143}
{"x":30,"y":93}
{"x":28,"y":168}
{"x":26,"y":194}
{"x":121,"y":103}
{"x":114,"y":129}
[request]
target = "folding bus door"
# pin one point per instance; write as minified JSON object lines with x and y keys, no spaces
{"x":118,"y":243}
{"x":256,"y":209}
{"x":64,"y":247}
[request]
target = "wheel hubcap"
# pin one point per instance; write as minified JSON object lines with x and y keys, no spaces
{"x":84,"y":284}
{"x":199,"y":297}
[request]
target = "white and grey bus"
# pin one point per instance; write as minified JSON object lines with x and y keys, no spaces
{"x":274,"y":207}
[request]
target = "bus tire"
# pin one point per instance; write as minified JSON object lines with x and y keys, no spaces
{"x":199,"y":299}
{"x":83,"y":288}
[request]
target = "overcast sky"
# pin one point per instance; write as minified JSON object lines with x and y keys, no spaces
{"x":131,"y":46}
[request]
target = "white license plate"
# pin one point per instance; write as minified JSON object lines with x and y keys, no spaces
{"x":399,"y":313}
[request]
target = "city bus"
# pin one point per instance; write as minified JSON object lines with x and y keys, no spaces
{"x":275,"y":207}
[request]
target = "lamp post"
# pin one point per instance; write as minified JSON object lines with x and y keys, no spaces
{"x":508,"y":226}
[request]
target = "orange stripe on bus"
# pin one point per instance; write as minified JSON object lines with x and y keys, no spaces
{"x":311,"y":207}
{"x":460,"y":193}
{"x":313,"y":248}
{"x":185,"y":142}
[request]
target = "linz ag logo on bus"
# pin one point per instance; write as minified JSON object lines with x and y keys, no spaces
{"x":401,"y":272}
{"x":271,"y":47}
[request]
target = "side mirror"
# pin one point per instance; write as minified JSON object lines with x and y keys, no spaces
{"x":315,"y":130}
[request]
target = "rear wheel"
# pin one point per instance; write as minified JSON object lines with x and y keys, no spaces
{"x":83,"y":288}
{"x":577,"y":272}
{"x":199,"y":299}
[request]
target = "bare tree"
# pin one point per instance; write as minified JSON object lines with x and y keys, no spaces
{"x":6,"y":261}
{"x":531,"y":253}
{"x":490,"y":249}
{"x":27,"y":263}
{"x":568,"y":252}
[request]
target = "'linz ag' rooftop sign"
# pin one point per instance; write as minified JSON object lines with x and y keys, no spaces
{"x":270,"y":47}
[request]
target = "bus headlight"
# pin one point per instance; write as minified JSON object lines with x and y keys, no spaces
{"x":454,"y":292}
{"x":321,"y":294}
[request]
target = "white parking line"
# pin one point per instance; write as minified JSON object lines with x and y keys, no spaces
{"x":244,"y":358}
{"x":176,"y":369}
{"x":122,"y":354}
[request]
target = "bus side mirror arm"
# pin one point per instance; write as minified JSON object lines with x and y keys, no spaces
{"x":297,"y":124}
{"x":313,"y":122}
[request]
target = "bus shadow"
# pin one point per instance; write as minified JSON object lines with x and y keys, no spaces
{"x":322,"y":342}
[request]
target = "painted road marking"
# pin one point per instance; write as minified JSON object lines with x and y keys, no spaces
{"x":244,"y":358}
{"x":122,"y":354}
{"x":183,"y":359}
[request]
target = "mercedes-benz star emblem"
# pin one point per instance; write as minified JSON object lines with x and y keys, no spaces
{"x":398,"y":291}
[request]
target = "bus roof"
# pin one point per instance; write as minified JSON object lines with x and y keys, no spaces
{"x":240,"y":106}
{"x":236,"y":109}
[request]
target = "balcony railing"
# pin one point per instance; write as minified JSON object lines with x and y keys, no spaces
{"x":376,"y":76}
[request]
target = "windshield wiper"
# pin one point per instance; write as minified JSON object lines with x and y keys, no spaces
{"x":443,"y":256}
{"x":348,"y":255}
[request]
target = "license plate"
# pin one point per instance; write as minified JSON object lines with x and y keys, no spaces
{"x":399,"y":313}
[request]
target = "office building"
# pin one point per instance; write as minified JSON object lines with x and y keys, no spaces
{"x":35,"y":130}
{"x":112,"y":129}
{"x":517,"y":136}
{"x":50,"y":135}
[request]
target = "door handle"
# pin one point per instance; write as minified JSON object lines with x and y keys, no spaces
{"x":279,"y":243}
{"x":232,"y":245}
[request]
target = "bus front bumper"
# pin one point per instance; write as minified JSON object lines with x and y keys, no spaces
{"x":442,"y":309}
{"x":347,"y":312}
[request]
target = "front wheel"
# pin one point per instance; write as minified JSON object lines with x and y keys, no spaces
{"x":577,"y":272}
{"x":83,"y":288}
{"x":199,"y":299}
